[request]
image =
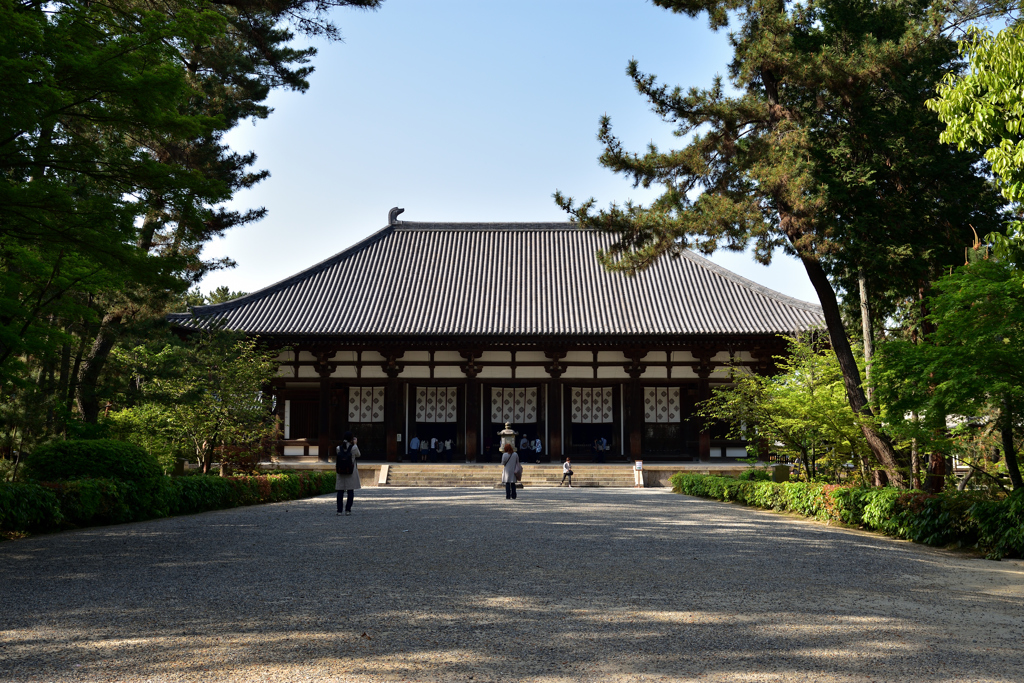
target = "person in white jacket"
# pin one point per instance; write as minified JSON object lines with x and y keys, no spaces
{"x":510,"y":463}
{"x":566,"y":472}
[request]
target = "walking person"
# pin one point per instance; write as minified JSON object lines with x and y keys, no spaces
{"x":566,"y":472}
{"x":537,"y":448}
{"x":347,"y":477}
{"x":510,"y":462}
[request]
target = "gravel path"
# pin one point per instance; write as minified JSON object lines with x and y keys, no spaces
{"x":462,"y":585}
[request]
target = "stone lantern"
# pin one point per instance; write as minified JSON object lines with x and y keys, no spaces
{"x":508,"y":435}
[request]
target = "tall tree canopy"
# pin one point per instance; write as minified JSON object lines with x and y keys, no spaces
{"x":823,"y":149}
{"x":113,"y":169}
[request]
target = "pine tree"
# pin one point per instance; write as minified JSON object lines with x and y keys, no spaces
{"x":825,"y":152}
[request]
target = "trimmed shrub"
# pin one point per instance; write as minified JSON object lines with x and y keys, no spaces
{"x":89,"y":502}
{"x":952,"y":518}
{"x":28,"y":507}
{"x":99,"y":459}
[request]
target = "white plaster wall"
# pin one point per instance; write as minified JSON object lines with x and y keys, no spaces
{"x":448,"y":371}
{"x":532,"y":372}
{"x":682,"y":356}
{"x":375,"y":371}
{"x":344,"y":357}
{"x":683,"y":373}
{"x":496,"y":356}
{"x":744,"y":355}
{"x":722,"y":356}
{"x":306,"y":371}
{"x":579,"y":357}
{"x":496,"y":372}
{"x":286,"y":356}
{"x":656,"y":357}
{"x":416,"y":371}
{"x":613,"y":372}
{"x":344,"y":371}
{"x":531,"y":357}
{"x":578,"y":373}
{"x":611,"y":357}
{"x":449,"y":357}
{"x":416,"y":356}
{"x":306,"y":355}
{"x":370,"y":356}
{"x":656,"y":372}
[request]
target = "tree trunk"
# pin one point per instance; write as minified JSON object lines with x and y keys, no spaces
{"x":878,"y":443}
{"x":1009,"y":452}
{"x":915,"y":457}
{"x":868,"y":333}
{"x":962,"y":484}
{"x":92,"y":367}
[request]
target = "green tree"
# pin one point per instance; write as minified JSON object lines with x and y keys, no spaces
{"x":982,"y":108}
{"x":113,"y":169}
{"x":970,"y":361}
{"x":825,"y":151}
{"x":200,"y":396}
{"x":801,"y":412}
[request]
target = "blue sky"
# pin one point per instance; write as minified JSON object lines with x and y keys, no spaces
{"x":463,"y":110}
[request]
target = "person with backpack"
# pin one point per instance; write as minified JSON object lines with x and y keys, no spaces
{"x":347,"y":477}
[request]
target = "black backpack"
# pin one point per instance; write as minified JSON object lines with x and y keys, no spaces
{"x":344,"y":463}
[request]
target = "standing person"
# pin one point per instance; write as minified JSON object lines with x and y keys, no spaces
{"x":347,"y":477}
{"x":438,"y":450}
{"x":424,"y":450}
{"x":414,"y":448}
{"x":537,"y":448}
{"x":524,"y":444}
{"x":510,"y":462}
{"x":566,"y":472}
{"x":448,"y":450}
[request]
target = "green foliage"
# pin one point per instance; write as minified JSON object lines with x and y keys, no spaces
{"x":102,"y":458}
{"x":30,"y":507}
{"x":982,"y":108}
{"x":971,"y":361}
{"x":801,"y":413}
{"x":964,"y":519}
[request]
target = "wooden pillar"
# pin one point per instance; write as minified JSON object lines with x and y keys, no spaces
{"x":393,"y":417}
{"x":325,"y":369}
{"x":635,"y":404}
{"x":471,"y":370}
{"x":704,"y":369}
{"x":555,"y":412}
{"x":472,"y":419}
{"x":394,"y":406}
{"x":635,"y":424}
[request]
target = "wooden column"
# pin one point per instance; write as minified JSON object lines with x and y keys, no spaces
{"x":635,"y":403}
{"x":555,"y":408}
{"x":394,"y":407}
{"x":471,"y":370}
{"x":704,"y":368}
{"x":325,"y":369}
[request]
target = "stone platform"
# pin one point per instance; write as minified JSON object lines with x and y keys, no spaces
{"x":608,"y":475}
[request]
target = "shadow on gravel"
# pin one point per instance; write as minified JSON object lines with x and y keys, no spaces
{"x":453,"y":584}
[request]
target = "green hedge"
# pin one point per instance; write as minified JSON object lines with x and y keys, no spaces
{"x":966,"y":518}
{"x":91,"y":459}
{"x":50,"y":506}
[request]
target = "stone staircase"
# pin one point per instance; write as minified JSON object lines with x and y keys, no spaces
{"x":620,"y":475}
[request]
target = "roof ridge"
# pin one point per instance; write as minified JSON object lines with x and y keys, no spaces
{"x":707,"y":263}
{"x":478,"y":225}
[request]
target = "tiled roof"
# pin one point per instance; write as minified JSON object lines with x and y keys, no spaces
{"x":487,"y":279}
